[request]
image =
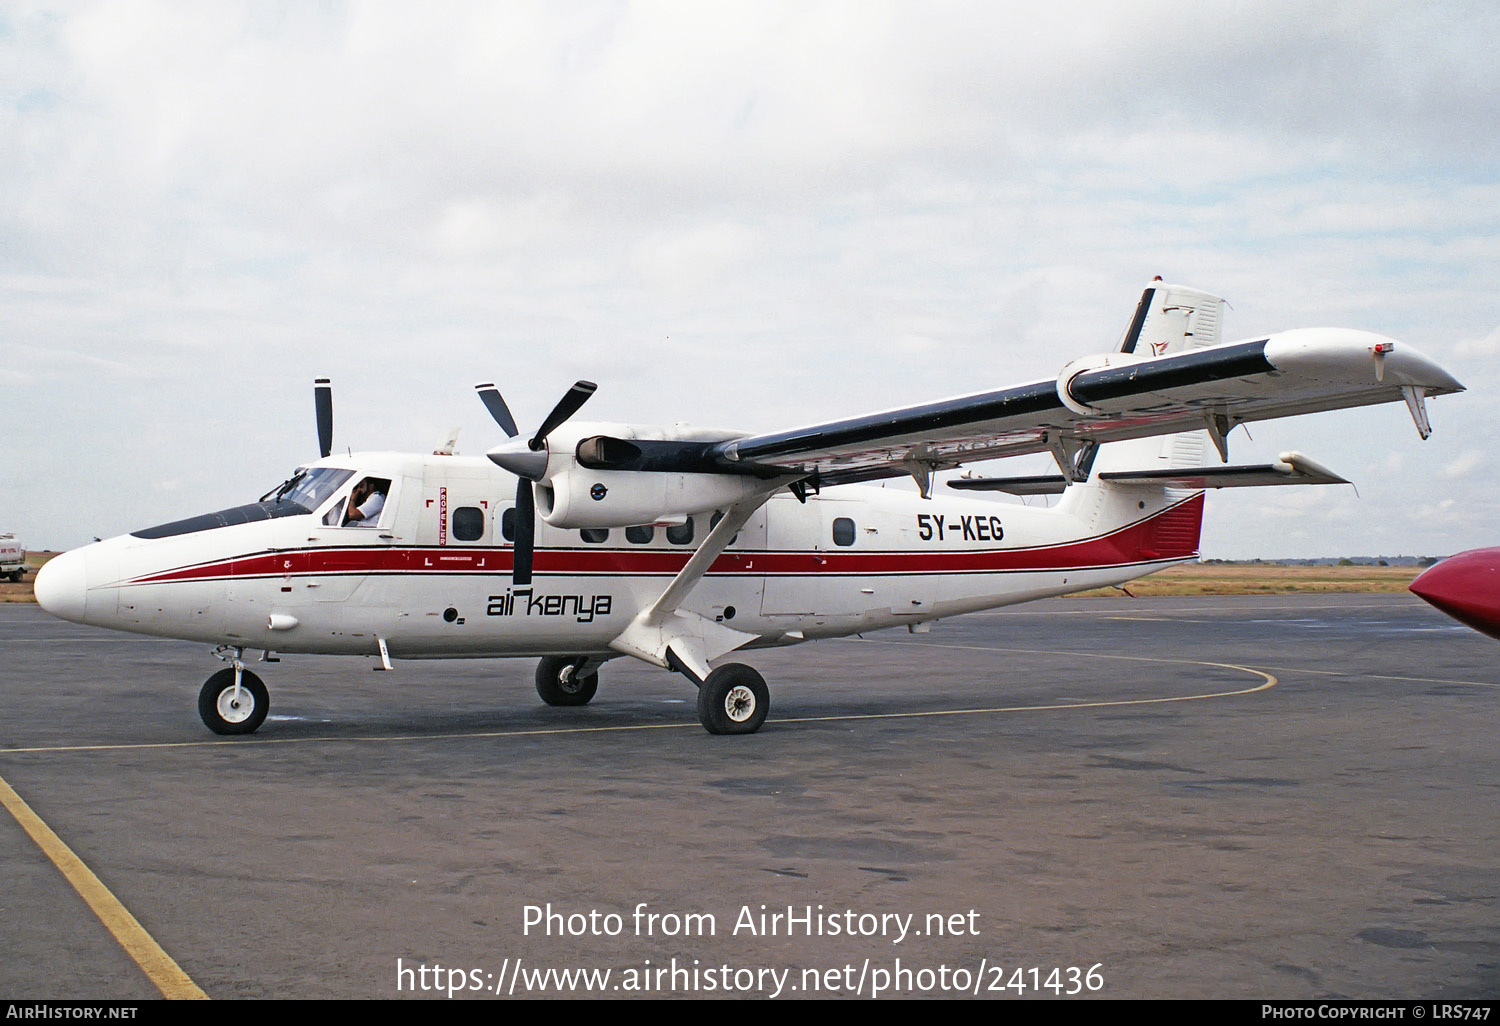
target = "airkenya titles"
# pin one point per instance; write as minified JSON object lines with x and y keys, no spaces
{"x":750,"y":921}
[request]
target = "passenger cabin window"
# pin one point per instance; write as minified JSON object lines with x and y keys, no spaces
{"x":468,"y":523}
{"x":713,"y":522}
{"x":595,"y":535}
{"x":367,"y":502}
{"x":681,"y":534}
{"x":843,"y":531}
{"x":508,"y":524}
{"x":640,"y":535}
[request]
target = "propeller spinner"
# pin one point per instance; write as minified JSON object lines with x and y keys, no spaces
{"x":528,"y":461}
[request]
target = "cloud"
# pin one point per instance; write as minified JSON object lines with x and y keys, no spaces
{"x":751,"y":214}
{"x":691,"y":259}
{"x":1485,"y":345}
{"x":1468,"y":462}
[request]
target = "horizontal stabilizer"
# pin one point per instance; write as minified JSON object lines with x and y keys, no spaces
{"x":1290,"y":468}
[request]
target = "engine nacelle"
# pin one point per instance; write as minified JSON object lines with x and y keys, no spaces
{"x":579,"y":497}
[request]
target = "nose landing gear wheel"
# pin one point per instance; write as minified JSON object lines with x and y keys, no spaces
{"x":224,"y":712}
{"x":558,"y":682}
{"x":733,"y":699}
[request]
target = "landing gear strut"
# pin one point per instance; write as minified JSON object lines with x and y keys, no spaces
{"x":559,"y":682}
{"x":230,"y":706}
{"x":733,"y":699}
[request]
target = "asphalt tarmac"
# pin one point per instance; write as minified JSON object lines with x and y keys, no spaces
{"x":1283,"y":797}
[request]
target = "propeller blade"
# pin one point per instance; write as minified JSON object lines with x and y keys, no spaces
{"x":568,"y":405}
{"x":525,"y":533}
{"x":323,"y":405}
{"x":490,"y":396}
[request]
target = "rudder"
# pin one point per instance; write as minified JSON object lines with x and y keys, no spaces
{"x":1173,"y":318}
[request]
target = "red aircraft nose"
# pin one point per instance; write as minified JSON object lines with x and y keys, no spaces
{"x":1467,"y":588}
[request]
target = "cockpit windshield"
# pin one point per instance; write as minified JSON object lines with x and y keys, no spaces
{"x":299,"y":494}
{"x":308,"y":487}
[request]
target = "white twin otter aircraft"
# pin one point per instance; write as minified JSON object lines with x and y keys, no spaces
{"x":584,"y":542}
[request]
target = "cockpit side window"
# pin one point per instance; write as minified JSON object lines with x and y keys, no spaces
{"x":367,"y":502}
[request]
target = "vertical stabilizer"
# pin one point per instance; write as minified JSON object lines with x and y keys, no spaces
{"x":1153,"y":521}
{"x":1169,"y":319}
{"x":1172,"y":318}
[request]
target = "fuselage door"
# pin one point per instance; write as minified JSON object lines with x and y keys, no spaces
{"x":793,"y":564}
{"x":352,"y":538}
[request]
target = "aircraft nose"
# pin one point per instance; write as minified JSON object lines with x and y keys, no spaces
{"x":62,"y":586}
{"x":1467,"y":588}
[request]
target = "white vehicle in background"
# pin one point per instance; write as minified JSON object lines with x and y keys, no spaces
{"x":12,"y":557}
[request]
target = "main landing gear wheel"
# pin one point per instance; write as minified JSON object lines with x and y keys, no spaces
{"x":733,"y":700}
{"x":224,"y":712}
{"x":558,"y":682}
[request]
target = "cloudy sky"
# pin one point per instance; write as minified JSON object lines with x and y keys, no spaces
{"x":745,"y":215}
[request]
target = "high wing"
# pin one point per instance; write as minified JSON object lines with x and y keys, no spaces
{"x":1171,"y":374}
{"x":1122,"y":395}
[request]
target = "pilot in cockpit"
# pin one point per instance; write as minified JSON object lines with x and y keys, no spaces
{"x":366,"y":502}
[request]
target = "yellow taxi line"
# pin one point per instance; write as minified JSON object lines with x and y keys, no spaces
{"x":158,"y":966}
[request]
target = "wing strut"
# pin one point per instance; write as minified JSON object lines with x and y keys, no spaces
{"x":676,"y":639}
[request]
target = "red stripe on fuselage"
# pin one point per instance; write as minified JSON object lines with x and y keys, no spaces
{"x":1168,"y":535}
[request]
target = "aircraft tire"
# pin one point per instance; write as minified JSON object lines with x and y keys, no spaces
{"x":216,"y":703}
{"x":550,"y":686}
{"x":733,"y":700}
{"x":16,"y":575}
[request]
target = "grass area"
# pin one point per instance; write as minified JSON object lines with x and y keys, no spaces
{"x":1192,"y":579}
{"x":1268,"y":579}
{"x":20,"y":591}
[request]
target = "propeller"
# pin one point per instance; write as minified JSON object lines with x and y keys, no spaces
{"x":528,"y":461}
{"x":323,"y":404}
